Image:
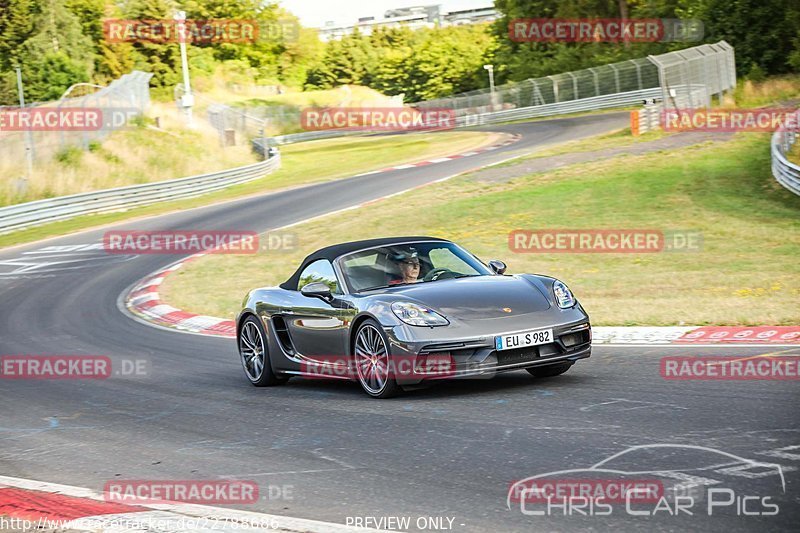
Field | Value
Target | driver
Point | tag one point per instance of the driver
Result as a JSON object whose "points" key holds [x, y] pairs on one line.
{"points": [[408, 264]]}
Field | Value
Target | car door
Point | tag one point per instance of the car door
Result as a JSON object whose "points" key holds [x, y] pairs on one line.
{"points": [[317, 327]]}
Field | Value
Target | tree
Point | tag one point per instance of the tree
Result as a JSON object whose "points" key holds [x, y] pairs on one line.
{"points": [[350, 60], [163, 60], [448, 61], [50, 48], [111, 60], [16, 26], [763, 32]]}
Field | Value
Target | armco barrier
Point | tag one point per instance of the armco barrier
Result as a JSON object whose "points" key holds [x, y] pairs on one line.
{"points": [[607, 101], [29, 214], [786, 172]]}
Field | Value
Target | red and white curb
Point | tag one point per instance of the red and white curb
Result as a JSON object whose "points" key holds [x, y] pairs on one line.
{"points": [[144, 302], [698, 335], [30, 505], [512, 139]]}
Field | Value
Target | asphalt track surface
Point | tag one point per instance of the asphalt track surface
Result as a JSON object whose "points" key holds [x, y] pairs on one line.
{"points": [[447, 451]]}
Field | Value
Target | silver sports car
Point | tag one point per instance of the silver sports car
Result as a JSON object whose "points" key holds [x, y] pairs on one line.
{"points": [[399, 312]]}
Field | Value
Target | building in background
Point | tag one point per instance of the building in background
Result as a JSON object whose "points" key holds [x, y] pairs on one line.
{"points": [[415, 17]]}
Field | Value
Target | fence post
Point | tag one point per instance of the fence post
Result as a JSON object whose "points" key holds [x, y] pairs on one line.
{"points": [[555, 87], [596, 82], [616, 75], [574, 86]]}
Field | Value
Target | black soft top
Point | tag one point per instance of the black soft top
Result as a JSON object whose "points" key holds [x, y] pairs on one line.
{"points": [[332, 252]]}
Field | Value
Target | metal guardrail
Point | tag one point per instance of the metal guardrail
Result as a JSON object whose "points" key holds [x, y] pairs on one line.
{"points": [[786, 172], [39, 212], [606, 101], [313, 136]]}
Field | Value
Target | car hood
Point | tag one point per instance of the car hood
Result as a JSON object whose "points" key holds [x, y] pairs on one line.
{"points": [[479, 297]]}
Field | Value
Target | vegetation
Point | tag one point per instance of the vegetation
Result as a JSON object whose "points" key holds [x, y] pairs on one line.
{"points": [[746, 272], [61, 42], [299, 166], [765, 34]]}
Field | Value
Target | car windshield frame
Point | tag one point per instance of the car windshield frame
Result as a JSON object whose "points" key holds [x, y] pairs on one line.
{"points": [[464, 255]]}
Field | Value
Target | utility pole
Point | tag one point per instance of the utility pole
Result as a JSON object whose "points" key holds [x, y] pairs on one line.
{"points": [[187, 99], [28, 136], [490, 68]]}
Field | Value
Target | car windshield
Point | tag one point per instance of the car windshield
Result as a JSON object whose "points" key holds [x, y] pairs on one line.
{"points": [[403, 264]]}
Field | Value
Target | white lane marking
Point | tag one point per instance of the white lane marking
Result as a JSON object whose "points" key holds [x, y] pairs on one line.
{"points": [[467, 154], [161, 310], [752, 471], [403, 167], [638, 404], [783, 453], [146, 297], [639, 334], [440, 160], [200, 322], [71, 248], [186, 510]]}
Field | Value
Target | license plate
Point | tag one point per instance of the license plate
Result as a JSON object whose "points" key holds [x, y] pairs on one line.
{"points": [[521, 340]]}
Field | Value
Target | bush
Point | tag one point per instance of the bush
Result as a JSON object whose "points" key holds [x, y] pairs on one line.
{"points": [[70, 157]]}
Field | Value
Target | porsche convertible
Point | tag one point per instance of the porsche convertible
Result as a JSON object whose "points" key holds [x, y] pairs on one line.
{"points": [[402, 312]]}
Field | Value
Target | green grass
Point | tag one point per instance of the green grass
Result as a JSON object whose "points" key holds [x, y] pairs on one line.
{"points": [[747, 272], [301, 164], [352, 95]]}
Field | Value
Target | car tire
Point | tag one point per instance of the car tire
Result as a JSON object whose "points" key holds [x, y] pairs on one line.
{"points": [[372, 359], [549, 371], [254, 354]]}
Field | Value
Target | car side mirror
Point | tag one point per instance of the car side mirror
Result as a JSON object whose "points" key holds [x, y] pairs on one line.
{"points": [[497, 266], [317, 290]]}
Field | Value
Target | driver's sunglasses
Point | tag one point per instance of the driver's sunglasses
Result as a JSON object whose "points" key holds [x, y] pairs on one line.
{"points": [[412, 263]]}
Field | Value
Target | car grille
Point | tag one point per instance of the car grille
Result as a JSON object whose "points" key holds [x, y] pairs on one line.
{"points": [[518, 355], [573, 339]]}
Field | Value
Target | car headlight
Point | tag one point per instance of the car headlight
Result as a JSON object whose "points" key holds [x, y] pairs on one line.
{"points": [[417, 315], [564, 296]]}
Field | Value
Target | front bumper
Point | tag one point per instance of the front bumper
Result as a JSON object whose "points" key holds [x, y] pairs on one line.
{"points": [[478, 358]]}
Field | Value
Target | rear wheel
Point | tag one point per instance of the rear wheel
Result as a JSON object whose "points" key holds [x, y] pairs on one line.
{"points": [[254, 355], [373, 361], [549, 371]]}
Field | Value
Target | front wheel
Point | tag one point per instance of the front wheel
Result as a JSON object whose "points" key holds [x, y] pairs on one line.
{"points": [[374, 362], [254, 355], [549, 371]]}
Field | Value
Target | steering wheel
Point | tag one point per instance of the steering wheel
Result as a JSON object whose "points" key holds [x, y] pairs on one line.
{"points": [[436, 273]]}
